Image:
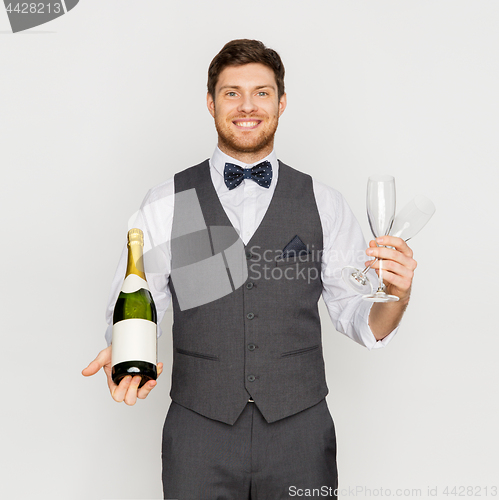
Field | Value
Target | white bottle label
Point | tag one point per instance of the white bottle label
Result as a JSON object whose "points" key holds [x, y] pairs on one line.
{"points": [[133, 283], [134, 340]]}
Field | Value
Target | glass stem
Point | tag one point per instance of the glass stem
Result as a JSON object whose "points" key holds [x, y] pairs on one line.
{"points": [[381, 286], [369, 266]]}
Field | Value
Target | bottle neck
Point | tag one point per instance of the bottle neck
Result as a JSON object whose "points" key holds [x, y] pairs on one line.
{"points": [[135, 264]]}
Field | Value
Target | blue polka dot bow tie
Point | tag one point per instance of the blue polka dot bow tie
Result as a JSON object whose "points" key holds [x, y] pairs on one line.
{"points": [[261, 174]]}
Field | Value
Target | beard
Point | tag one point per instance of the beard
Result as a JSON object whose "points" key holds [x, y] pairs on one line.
{"points": [[246, 143]]}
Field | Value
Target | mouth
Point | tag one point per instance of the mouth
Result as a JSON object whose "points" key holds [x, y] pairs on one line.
{"points": [[247, 124]]}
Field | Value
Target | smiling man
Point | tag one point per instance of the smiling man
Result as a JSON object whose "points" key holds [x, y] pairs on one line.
{"points": [[247, 112], [248, 418]]}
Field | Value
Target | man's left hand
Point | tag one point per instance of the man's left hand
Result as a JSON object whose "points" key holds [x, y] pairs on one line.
{"points": [[398, 265]]}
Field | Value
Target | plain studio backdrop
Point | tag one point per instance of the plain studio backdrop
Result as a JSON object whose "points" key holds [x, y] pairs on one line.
{"points": [[101, 104]]}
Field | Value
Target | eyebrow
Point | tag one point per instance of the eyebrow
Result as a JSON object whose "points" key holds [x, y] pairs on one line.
{"points": [[238, 87]]}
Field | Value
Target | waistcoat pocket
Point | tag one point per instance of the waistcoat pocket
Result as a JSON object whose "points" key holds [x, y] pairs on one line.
{"points": [[300, 351], [196, 354]]}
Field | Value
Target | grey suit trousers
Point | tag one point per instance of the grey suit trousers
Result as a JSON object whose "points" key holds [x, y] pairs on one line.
{"points": [[204, 459]]}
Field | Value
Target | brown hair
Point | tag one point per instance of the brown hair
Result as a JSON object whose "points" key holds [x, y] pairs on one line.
{"points": [[244, 51]]}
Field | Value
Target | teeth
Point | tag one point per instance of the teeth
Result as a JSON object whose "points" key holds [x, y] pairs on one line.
{"points": [[246, 124]]}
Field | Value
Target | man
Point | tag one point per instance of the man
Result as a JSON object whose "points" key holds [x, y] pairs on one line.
{"points": [[248, 418]]}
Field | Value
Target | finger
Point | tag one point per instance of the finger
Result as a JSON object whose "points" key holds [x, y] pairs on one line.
{"points": [[118, 392], [150, 385], [392, 255], [131, 393], [401, 284], [394, 267], [146, 389], [396, 275], [398, 243], [386, 253], [103, 358], [110, 383]]}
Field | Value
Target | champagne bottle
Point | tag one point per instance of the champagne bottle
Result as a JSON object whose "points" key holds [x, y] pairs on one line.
{"points": [[134, 344]]}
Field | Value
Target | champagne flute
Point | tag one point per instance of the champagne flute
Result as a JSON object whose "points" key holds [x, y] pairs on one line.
{"points": [[408, 222], [381, 212]]}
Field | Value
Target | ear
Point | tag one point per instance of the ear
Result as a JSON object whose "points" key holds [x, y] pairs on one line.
{"points": [[211, 104], [282, 103]]}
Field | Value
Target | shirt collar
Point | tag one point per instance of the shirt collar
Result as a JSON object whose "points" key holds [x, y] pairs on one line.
{"points": [[219, 159]]}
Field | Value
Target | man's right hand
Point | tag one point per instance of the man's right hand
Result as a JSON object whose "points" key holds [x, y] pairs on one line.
{"points": [[128, 389]]}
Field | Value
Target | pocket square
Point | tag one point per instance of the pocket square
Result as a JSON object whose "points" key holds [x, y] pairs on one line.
{"points": [[295, 247]]}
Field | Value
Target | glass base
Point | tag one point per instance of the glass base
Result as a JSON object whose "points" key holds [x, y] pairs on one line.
{"points": [[356, 280], [380, 297]]}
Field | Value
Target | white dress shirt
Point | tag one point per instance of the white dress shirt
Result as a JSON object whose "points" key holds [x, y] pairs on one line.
{"points": [[245, 207]]}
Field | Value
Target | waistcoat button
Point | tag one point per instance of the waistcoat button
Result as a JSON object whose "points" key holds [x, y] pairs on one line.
{"points": [[249, 285], [251, 347], [251, 378], [249, 255], [250, 315]]}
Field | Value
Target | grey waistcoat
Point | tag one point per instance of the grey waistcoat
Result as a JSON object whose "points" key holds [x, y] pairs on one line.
{"points": [[264, 339]]}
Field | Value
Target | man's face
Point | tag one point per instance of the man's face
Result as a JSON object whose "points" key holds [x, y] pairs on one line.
{"points": [[246, 110]]}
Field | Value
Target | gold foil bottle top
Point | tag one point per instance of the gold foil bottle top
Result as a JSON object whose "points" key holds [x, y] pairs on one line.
{"points": [[135, 235], [135, 264]]}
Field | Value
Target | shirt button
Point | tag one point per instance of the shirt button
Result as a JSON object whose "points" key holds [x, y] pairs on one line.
{"points": [[249, 285], [251, 378], [251, 347], [250, 315]]}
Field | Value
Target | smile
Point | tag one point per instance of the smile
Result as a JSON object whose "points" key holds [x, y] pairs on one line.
{"points": [[246, 124]]}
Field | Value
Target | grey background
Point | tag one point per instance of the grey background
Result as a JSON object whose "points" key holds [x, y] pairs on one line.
{"points": [[109, 100]]}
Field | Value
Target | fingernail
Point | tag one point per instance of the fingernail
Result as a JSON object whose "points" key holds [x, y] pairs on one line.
{"points": [[370, 251], [379, 240]]}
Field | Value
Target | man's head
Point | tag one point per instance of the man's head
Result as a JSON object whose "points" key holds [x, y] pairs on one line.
{"points": [[244, 51], [246, 97]]}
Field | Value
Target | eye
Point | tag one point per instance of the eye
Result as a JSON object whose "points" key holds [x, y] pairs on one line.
{"points": [[262, 93], [231, 93]]}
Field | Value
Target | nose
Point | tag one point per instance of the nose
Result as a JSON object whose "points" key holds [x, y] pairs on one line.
{"points": [[247, 104]]}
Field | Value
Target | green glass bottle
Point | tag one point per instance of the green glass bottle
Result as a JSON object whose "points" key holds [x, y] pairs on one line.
{"points": [[134, 344]]}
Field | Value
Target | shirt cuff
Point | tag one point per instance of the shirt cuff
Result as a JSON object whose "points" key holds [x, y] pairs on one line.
{"points": [[362, 326]]}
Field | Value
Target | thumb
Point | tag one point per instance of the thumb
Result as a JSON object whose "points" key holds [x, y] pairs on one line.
{"points": [[102, 359]]}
